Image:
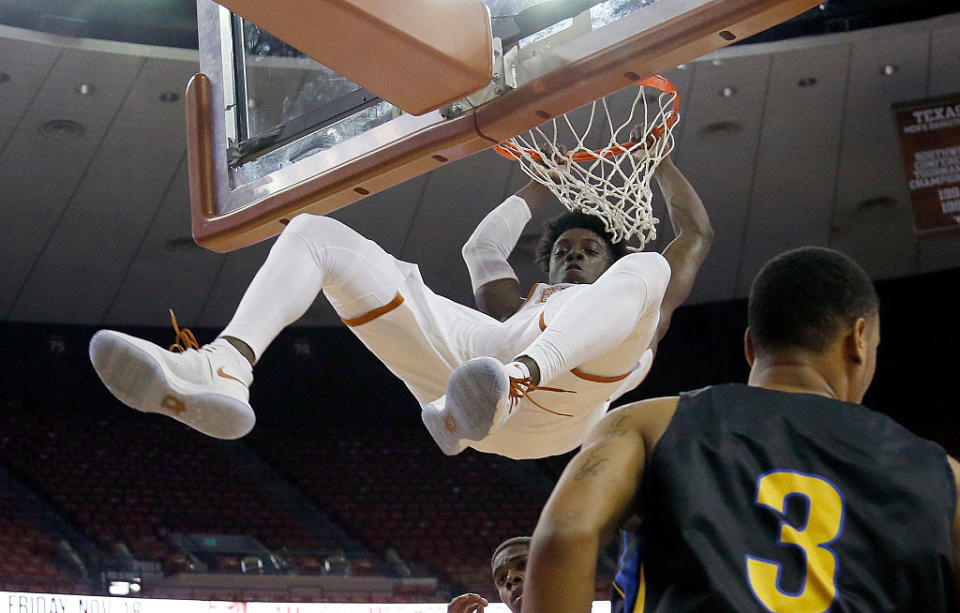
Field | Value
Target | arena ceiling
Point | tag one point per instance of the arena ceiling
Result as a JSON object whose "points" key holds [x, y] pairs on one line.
{"points": [[93, 188]]}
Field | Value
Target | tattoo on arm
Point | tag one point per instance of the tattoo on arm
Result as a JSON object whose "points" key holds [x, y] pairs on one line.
{"points": [[592, 466], [594, 463]]}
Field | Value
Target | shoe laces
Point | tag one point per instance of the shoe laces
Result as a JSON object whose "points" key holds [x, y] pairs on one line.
{"points": [[520, 388], [184, 339]]}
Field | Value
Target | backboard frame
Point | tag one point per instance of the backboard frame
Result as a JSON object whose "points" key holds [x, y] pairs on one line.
{"points": [[578, 70]]}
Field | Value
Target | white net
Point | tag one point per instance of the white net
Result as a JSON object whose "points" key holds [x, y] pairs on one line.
{"points": [[613, 182]]}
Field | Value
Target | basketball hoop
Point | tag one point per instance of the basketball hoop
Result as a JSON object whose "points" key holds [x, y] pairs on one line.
{"points": [[613, 182]]}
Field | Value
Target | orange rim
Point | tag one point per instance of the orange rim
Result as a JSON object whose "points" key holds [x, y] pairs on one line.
{"points": [[514, 153]]}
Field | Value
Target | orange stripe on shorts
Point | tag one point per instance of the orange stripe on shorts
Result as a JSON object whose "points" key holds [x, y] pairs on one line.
{"points": [[371, 315]]}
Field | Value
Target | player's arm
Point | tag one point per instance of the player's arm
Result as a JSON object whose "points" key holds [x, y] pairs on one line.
{"points": [[595, 494], [955, 531], [694, 235], [495, 284]]}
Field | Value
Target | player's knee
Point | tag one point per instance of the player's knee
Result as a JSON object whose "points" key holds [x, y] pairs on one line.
{"points": [[644, 271], [319, 231], [306, 224]]}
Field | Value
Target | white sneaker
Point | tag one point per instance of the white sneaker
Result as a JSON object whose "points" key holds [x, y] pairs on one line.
{"points": [[206, 388], [480, 395], [443, 427]]}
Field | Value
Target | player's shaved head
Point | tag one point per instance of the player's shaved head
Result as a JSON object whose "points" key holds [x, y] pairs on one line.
{"points": [[804, 298]]}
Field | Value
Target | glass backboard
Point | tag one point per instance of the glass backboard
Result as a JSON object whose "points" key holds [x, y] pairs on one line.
{"points": [[273, 132]]}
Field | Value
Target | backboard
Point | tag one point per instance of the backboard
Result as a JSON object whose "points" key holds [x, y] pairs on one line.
{"points": [[273, 132]]}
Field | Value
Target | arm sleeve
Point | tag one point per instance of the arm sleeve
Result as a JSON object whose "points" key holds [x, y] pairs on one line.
{"points": [[487, 249]]}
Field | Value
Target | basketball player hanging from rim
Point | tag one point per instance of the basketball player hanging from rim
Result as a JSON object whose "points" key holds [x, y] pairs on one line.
{"points": [[479, 376]]}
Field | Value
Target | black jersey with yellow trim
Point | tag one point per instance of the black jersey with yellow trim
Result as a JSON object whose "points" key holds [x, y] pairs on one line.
{"points": [[759, 500]]}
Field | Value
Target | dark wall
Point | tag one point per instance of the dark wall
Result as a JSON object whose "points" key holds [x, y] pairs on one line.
{"points": [[309, 377]]}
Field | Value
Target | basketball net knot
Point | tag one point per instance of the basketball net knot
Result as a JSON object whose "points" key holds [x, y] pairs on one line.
{"points": [[184, 339], [520, 388]]}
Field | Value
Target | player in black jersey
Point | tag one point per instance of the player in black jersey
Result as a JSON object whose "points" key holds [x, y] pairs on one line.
{"points": [[782, 495]]}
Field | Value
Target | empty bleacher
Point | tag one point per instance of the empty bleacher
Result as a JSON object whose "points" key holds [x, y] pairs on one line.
{"points": [[28, 552], [393, 488]]}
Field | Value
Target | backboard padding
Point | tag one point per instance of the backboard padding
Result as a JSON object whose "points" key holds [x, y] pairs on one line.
{"points": [[418, 54]]}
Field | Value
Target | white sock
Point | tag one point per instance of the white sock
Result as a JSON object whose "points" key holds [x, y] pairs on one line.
{"points": [[517, 370]]}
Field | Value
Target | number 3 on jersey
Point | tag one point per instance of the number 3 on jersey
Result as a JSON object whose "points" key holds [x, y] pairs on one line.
{"points": [[823, 525]]}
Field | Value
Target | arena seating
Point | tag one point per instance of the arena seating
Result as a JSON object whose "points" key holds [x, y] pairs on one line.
{"points": [[393, 488], [27, 553], [125, 479]]}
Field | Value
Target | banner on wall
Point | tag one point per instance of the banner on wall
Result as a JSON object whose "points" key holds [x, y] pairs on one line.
{"points": [[29, 602], [929, 133]]}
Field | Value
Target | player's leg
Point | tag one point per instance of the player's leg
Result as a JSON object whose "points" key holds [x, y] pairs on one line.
{"points": [[313, 253], [591, 327], [207, 387]]}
